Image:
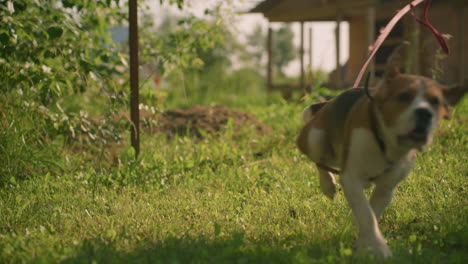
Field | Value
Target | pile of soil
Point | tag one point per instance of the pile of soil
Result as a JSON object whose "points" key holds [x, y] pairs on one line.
{"points": [[197, 120]]}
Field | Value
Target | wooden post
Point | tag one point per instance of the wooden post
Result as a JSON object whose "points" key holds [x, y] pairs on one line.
{"points": [[301, 56], [339, 82], [269, 58], [134, 94], [310, 48], [461, 45], [371, 32], [310, 74]]}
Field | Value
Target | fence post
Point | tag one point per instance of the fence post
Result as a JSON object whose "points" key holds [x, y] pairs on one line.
{"points": [[134, 93], [270, 59], [339, 82], [301, 54]]}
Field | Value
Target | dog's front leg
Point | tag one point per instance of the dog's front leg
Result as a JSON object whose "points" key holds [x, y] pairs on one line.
{"points": [[386, 184], [327, 183], [369, 233], [381, 197]]}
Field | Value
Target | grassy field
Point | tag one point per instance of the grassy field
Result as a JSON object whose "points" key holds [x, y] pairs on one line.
{"points": [[230, 199]]}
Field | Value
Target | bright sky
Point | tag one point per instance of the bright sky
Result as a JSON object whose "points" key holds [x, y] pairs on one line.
{"points": [[323, 37]]}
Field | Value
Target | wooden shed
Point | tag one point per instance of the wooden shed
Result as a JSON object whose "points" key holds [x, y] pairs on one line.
{"points": [[367, 17]]}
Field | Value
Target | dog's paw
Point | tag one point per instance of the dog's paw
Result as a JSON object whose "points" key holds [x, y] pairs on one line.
{"points": [[378, 246], [329, 189]]}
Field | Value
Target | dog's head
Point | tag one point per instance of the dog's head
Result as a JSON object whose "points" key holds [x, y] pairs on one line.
{"points": [[412, 106]]}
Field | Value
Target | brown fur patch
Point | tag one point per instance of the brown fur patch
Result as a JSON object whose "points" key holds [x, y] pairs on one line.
{"points": [[398, 93]]}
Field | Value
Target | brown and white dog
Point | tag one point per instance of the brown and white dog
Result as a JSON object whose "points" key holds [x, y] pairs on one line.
{"points": [[372, 141]]}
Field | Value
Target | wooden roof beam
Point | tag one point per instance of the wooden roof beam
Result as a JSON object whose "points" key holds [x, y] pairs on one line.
{"points": [[295, 11], [310, 14]]}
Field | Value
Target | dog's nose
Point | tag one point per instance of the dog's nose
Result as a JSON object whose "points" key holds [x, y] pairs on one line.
{"points": [[423, 115]]}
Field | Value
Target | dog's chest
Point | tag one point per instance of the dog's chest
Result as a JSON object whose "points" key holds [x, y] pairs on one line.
{"points": [[366, 157]]}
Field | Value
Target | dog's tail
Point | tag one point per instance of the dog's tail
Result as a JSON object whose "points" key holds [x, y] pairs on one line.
{"points": [[311, 110]]}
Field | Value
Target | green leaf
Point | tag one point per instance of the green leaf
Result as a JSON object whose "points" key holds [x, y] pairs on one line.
{"points": [[85, 65], [130, 153], [68, 3], [4, 38], [48, 54], [111, 234], [18, 6], [105, 58], [55, 32], [197, 62]]}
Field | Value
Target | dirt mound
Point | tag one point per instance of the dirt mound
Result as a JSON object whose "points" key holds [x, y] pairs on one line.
{"points": [[197, 120]]}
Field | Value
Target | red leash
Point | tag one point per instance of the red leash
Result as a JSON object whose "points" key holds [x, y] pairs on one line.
{"points": [[425, 22], [388, 28]]}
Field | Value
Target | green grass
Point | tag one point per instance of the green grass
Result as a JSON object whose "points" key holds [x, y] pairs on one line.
{"points": [[231, 199]]}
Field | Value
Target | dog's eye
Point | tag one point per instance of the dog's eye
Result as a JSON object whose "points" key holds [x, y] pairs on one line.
{"points": [[434, 101], [405, 97]]}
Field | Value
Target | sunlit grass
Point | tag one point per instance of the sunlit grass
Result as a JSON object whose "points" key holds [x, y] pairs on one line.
{"points": [[231, 199]]}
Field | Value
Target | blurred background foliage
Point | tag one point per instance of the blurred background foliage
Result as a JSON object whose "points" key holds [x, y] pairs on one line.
{"points": [[64, 76]]}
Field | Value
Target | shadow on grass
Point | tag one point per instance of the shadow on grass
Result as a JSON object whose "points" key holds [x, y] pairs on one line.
{"points": [[235, 249]]}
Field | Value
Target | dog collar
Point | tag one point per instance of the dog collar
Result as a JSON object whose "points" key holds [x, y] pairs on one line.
{"points": [[326, 168], [375, 129]]}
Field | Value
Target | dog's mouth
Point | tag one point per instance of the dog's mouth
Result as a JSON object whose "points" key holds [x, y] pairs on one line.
{"points": [[418, 136]]}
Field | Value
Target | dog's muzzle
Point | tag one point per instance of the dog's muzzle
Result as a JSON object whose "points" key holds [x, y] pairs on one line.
{"points": [[420, 134]]}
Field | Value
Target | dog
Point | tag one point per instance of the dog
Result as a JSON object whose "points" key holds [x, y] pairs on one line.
{"points": [[373, 140]]}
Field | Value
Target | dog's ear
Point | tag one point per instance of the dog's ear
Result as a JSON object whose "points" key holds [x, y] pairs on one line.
{"points": [[311, 110], [391, 71], [395, 61], [452, 96], [446, 111], [454, 93]]}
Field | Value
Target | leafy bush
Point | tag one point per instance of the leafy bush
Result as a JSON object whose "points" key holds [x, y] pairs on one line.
{"points": [[50, 49]]}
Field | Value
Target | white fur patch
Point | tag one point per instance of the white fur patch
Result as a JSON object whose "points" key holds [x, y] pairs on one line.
{"points": [[407, 120], [315, 144], [306, 114], [365, 158]]}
